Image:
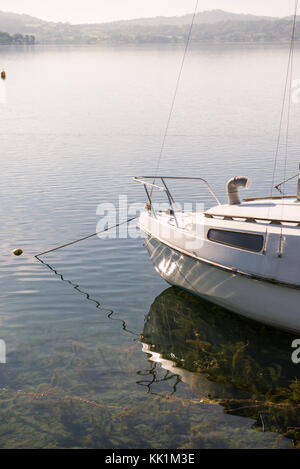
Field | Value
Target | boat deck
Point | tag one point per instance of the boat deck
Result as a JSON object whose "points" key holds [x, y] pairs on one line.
{"points": [[282, 210]]}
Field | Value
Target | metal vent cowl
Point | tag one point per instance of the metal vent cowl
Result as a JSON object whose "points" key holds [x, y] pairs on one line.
{"points": [[233, 186]]}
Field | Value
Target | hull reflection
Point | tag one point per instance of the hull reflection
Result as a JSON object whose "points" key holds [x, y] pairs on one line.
{"points": [[228, 360]]}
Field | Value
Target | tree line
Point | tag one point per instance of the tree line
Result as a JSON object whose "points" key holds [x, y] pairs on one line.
{"points": [[6, 38], [226, 31], [261, 31]]}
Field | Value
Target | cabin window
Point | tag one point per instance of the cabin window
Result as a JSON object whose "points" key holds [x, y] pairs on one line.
{"points": [[237, 239]]}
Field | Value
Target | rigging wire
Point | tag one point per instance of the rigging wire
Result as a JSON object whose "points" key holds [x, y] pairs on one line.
{"points": [[286, 180], [287, 82], [175, 93], [287, 90], [290, 92], [290, 74]]}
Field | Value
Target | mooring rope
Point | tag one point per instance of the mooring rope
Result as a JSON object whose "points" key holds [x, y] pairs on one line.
{"points": [[110, 312], [85, 237]]}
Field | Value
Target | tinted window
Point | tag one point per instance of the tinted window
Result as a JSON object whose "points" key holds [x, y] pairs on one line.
{"points": [[251, 242]]}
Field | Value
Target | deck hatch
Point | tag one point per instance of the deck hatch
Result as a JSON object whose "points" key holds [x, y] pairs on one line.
{"points": [[237, 239]]}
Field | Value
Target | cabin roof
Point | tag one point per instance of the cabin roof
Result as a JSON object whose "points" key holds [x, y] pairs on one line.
{"points": [[276, 209]]}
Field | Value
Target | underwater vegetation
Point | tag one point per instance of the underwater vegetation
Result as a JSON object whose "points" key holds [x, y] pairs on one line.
{"points": [[224, 383], [242, 365]]}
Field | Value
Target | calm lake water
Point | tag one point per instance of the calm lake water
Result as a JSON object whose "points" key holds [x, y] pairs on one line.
{"points": [[101, 353]]}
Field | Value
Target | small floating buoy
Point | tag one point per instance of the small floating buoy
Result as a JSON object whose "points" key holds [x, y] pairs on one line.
{"points": [[18, 252], [3, 75]]}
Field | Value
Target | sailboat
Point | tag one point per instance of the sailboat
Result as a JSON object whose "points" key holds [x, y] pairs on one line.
{"points": [[243, 255]]}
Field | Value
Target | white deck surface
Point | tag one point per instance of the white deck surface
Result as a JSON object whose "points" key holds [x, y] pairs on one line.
{"points": [[275, 209]]}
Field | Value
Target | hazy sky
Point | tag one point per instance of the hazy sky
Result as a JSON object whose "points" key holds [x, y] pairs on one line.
{"points": [[88, 11]]}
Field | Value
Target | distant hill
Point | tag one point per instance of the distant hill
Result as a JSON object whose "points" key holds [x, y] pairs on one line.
{"points": [[204, 17], [213, 26], [14, 23]]}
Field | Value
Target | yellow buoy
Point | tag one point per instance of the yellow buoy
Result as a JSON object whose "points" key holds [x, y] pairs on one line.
{"points": [[18, 252], [3, 75]]}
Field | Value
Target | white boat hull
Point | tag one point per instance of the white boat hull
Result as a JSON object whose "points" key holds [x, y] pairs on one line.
{"points": [[260, 300]]}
